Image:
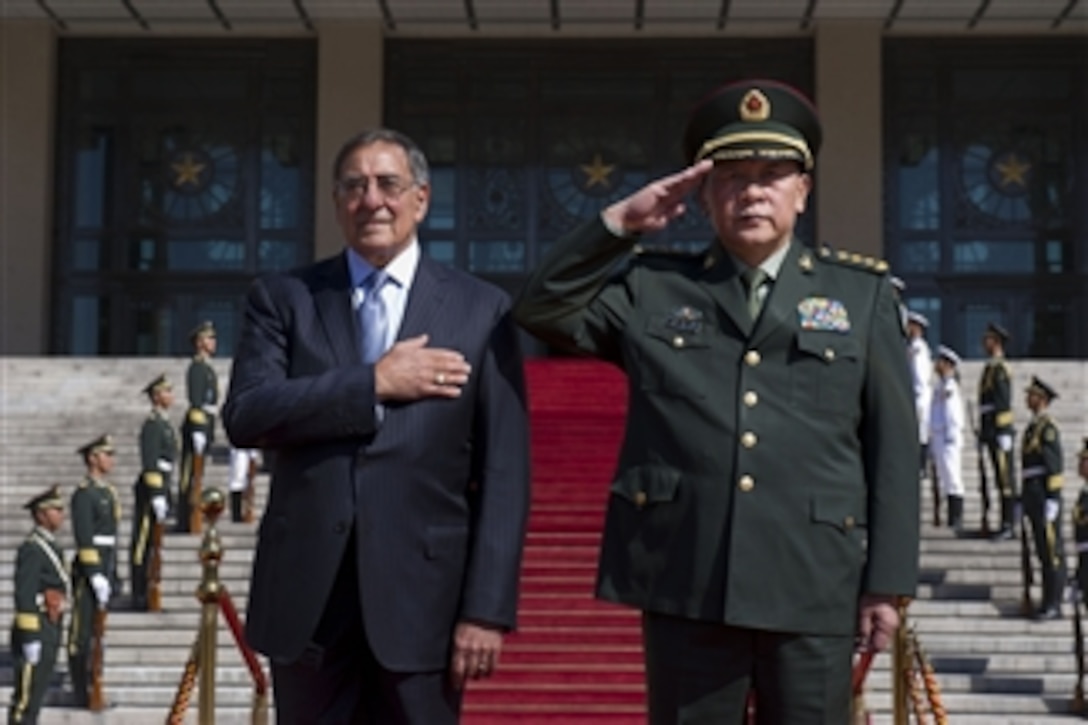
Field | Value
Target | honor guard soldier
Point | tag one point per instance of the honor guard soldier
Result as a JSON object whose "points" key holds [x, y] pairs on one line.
{"points": [[158, 451], [1080, 523], [1041, 468], [198, 428], [96, 513], [42, 588], [244, 463], [947, 421], [764, 514], [921, 371], [995, 425]]}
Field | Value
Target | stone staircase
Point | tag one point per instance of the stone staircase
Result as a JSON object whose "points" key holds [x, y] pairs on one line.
{"points": [[993, 666]]}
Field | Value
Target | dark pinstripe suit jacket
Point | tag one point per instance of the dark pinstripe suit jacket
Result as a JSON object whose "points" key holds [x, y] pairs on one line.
{"points": [[438, 492]]}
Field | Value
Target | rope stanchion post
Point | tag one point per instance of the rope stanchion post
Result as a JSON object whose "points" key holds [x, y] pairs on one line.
{"points": [[211, 552], [901, 668]]}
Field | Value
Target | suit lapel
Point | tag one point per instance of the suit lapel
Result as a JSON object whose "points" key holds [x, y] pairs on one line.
{"points": [[332, 297], [723, 284], [425, 298], [793, 283]]}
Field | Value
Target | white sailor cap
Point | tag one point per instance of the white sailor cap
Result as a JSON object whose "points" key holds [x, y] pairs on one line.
{"points": [[947, 353], [919, 318]]}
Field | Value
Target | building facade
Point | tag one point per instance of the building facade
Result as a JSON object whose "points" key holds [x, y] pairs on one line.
{"points": [[153, 164]]}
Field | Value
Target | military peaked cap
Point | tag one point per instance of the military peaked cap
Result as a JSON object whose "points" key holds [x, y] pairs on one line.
{"points": [[1038, 386], [159, 382], [48, 499], [204, 328], [101, 443], [754, 119], [944, 352], [997, 331]]}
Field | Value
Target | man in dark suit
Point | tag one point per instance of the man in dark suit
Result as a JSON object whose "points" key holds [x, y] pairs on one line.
{"points": [[390, 390], [764, 512]]}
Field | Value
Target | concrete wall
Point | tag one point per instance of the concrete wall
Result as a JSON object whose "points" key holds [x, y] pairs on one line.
{"points": [[849, 179], [349, 99], [27, 82]]}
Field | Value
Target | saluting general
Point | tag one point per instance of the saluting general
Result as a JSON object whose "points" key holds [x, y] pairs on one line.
{"points": [[764, 510]]}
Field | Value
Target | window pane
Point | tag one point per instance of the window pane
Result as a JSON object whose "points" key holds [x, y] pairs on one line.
{"points": [[1012, 86], [1014, 257], [86, 255], [443, 251], [281, 176], [212, 255], [89, 325], [919, 193], [279, 254], [496, 199], [93, 173], [154, 329], [496, 256], [442, 213], [919, 256]]}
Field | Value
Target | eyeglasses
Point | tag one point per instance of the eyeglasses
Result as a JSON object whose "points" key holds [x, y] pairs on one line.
{"points": [[389, 188]]}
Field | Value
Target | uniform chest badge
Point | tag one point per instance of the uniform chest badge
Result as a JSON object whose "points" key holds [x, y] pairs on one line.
{"points": [[821, 313], [685, 319]]}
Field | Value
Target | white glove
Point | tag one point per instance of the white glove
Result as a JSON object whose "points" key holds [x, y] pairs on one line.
{"points": [[164, 465], [1004, 442], [101, 586], [210, 408], [158, 505], [1051, 508], [199, 441], [32, 652]]}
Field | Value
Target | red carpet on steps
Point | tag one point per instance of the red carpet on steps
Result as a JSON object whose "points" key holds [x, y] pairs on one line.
{"points": [[574, 660]]}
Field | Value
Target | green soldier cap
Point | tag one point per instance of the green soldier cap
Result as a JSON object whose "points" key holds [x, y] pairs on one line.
{"points": [[997, 331], [101, 443], [159, 382], [49, 499], [204, 328], [754, 119], [1038, 386]]}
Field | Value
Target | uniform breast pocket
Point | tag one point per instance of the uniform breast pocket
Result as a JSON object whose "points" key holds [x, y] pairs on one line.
{"points": [[826, 371], [674, 357]]}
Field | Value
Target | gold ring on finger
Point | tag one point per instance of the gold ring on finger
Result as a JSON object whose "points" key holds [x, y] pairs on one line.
{"points": [[440, 378]]}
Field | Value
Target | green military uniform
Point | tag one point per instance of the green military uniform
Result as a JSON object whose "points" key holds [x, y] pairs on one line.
{"points": [[995, 422], [762, 483], [1041, 467], [95, 514], [158, 453], [1080, 531], [202, 388], [42, 587]]}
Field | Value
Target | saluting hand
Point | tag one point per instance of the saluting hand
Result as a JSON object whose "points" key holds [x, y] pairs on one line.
{"points": [[410, 371], [476, 649], [652, 207]]}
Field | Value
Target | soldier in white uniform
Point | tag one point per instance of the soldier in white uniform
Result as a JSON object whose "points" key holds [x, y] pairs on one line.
{"points": [[921, 371], [240, 461], [947, 419]]}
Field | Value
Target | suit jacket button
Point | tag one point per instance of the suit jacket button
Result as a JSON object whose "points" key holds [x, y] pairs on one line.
{"points": [[746, 483], [640, 499]]}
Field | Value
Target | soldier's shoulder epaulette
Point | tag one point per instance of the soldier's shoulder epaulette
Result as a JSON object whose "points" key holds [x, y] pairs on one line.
{"points": [[853, 260], [667, 257]]}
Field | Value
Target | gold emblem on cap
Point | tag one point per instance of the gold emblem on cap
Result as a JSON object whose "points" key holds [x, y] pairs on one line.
{"points": [[755, 106]]}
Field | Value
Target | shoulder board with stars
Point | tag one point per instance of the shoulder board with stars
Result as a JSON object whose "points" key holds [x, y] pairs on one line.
{"points": [[853, 259]]}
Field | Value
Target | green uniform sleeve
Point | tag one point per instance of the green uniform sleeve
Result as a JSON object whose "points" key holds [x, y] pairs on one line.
{"points": [[28, 566]]}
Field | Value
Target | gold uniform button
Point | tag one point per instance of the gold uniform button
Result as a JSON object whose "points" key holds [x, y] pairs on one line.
{"points": [[848, 522], [746, 483], [752, 358], [748, 440], [751, 398], [678, 341], [829, 354], [640, 499]]}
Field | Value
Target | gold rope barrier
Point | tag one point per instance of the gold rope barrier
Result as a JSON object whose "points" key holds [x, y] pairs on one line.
{"points": [[214, 597]]}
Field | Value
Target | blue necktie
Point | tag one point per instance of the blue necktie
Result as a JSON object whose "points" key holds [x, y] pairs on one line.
{"points": [[373, 317]]}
